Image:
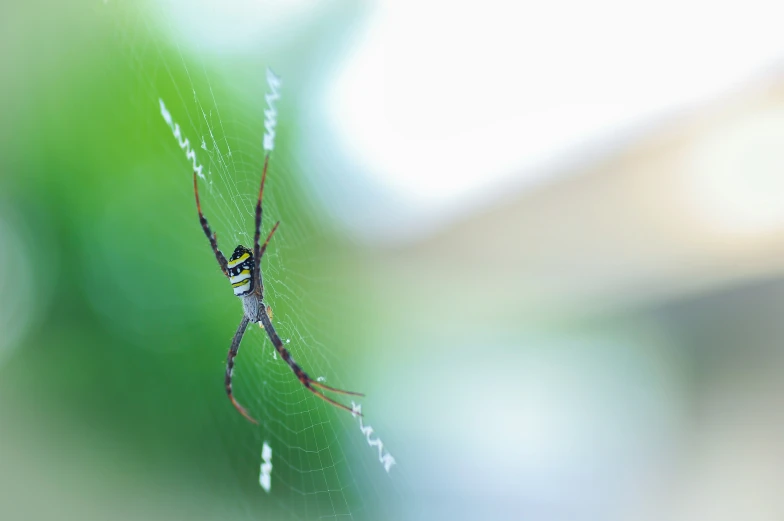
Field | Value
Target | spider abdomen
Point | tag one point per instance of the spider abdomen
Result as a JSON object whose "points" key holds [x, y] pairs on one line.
{"points": [[240, 268]]}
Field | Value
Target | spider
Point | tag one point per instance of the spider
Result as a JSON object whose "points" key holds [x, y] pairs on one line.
{"points": [[244, 272]]}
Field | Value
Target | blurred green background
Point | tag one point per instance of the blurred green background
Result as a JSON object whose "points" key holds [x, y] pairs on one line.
{"points": [[112, 383], [603, 343]]}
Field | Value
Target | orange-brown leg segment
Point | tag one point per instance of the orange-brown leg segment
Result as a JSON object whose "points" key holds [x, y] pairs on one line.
{"points": [[264, 246], [328, 388], [307, 382]]}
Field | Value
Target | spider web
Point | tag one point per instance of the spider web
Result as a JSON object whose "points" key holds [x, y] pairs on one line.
{"points": [[321, 463]]}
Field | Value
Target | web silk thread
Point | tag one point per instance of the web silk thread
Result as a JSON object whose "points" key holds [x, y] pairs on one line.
{"points": [[385, 458], [265, 477], [190, 154], [271, 113]]}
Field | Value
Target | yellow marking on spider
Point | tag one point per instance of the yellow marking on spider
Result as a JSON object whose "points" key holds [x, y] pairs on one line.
{"points": [[245, 274], [240, 283], [243, 257]]}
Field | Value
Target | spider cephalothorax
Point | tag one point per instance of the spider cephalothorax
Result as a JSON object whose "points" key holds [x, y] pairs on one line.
{"points": [[244, 273], [240, 268]]}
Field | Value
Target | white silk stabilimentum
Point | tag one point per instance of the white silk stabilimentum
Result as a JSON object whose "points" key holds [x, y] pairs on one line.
{"points": [[385, 458], [271, 113], [265, 477], [183, 142]]}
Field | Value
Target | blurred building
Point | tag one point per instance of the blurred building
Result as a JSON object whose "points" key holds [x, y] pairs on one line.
{"points": [[660, 264]]}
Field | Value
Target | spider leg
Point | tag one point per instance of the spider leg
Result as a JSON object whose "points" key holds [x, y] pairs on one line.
{"points": [[209, 233], [269, 314], [235, 347], [302, 376], [327, 399], [257, 230], [328, 388], [264, 246]]}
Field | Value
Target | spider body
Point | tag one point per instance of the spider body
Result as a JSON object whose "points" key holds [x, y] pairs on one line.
{"points": [[244, 273], [251, 305]]}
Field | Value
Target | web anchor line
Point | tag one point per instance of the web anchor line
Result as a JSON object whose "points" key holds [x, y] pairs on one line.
{"points": [[385, 458]]}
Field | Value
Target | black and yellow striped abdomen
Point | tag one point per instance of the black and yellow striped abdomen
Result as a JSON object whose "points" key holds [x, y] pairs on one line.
{"points": [[240, 268]]}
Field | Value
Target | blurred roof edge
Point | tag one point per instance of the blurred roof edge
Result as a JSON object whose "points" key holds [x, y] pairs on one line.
{"points": [[689, 207]]}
